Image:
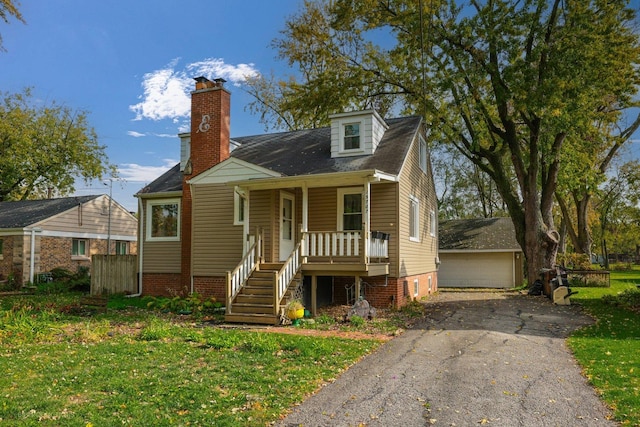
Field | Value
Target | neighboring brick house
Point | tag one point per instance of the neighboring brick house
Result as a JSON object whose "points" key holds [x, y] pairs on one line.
{"points": [[345, 210], [37, 236]]}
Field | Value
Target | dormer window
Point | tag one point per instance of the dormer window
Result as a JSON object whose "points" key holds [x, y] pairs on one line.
{"points": [[351, 136], [356, 133]]}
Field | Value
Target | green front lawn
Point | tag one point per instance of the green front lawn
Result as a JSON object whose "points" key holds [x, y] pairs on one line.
{"points": [[136, 367], [609, 351]]}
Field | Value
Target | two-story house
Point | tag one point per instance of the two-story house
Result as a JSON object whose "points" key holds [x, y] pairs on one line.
{"points": [[348, 210]]}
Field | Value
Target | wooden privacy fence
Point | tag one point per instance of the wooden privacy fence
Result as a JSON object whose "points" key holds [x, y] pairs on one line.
{"points": [[114, 274]]}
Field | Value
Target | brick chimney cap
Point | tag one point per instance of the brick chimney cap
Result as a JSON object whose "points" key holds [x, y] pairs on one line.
{"points": [[201, 79], [219, 80]]}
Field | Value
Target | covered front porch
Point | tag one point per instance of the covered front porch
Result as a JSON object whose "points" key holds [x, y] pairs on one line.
{"points": [[312, 227]]}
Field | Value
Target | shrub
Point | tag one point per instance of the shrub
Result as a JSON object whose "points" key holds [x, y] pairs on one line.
{"points": [[629, 298], [575, 261]]}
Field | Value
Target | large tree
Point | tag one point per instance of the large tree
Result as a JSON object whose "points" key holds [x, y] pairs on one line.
{"points": [[45, 148], [511, 84], [9, 8]]}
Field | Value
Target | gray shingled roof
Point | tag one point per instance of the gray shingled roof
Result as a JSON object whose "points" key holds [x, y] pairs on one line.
{"points": [[308, 152], [24, 213], [477, 234]]}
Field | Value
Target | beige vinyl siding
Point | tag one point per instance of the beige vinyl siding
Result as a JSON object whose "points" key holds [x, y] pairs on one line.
{"points": [[261, 216], [384, 217], [161, 257], [158, 256], [323, 210], [93, 217], [416, 257], [216, 242]]}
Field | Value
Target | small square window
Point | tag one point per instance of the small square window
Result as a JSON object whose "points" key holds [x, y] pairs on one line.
{"points": [[416, 287], [79, 247], [352, 136]]}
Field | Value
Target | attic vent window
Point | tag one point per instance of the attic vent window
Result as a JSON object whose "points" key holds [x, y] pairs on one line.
{"points": [[352, 136]]}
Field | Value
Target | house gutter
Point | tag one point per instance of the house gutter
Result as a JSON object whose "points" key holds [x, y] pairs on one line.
{"points": [[140, 245], [315, 180]]}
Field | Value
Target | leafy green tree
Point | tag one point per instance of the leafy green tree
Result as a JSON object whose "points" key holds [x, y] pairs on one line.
{"points": [[44, 148], [511, 84], [585, 167], [9, 8], [464, 191], [618, 206]]}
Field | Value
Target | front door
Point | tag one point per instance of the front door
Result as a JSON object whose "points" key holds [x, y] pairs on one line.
{"points": [[287, 221]]}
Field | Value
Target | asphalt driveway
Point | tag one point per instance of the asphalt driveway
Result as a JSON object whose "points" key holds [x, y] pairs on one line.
{"points": [[478, 358]]}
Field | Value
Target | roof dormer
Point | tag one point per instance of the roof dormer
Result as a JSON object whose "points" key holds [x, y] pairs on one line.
{"points": [[356, 133]]}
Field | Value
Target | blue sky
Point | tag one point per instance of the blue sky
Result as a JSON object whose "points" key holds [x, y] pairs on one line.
{"points": [[131, 63]]}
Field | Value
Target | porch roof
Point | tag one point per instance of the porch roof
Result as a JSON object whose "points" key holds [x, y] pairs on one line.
{"points": [[317, 180]]}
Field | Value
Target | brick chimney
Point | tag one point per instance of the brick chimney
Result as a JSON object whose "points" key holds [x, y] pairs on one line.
{"points": [[210, 122], [210, 112]]}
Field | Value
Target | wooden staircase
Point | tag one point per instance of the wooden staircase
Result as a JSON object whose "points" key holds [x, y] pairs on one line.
{"points": [[255, 301]]}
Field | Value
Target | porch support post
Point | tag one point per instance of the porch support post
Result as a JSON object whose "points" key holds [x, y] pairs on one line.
{"points": [[305, 224], [366, 218], [314, 295], [305, 208], [245, 225], [357, 288]]}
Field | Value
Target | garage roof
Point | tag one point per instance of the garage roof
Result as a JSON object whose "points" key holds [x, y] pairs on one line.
{"points": [[474, 235]]}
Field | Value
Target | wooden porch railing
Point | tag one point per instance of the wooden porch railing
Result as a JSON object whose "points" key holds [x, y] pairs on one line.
{"points": [[282, 278], [237, 278], [336, 244]]}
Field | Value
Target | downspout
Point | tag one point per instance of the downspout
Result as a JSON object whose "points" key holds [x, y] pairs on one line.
{"points": [[32, 253], [140, 246]]}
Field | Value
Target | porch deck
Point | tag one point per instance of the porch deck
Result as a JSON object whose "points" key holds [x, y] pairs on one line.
{"points": [[318, 253]]}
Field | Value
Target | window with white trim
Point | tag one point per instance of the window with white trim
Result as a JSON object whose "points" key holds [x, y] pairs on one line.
{"points": [[350, 209], [433, 222], [414, 219], [423, 155], [79, 247], [163, 220], [122, 247], [416, 287], [429, 284], [351, 139], [239, 208]]}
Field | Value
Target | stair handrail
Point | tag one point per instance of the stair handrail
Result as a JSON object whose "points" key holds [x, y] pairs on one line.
{"points": [[283, 277], [237, 278]]}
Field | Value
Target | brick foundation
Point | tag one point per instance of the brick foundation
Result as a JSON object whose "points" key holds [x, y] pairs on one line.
{"points": [[393, 293], [211, 287], [163, 284]]}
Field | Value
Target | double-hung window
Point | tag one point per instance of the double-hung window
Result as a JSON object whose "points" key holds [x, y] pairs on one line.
{"points": [[351, 136], [79, 247], [122, 247], [423, 155], [414, 219], [350, 209]]}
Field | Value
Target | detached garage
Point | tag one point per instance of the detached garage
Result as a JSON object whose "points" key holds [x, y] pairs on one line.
{"points": [[479, 253]]}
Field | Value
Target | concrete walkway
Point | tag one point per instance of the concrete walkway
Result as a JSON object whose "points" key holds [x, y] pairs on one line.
{"points": [[479, 358]]}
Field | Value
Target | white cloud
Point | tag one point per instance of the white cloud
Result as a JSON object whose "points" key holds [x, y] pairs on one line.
{"points": [[166, 91], [132, 172], [135, 134]]}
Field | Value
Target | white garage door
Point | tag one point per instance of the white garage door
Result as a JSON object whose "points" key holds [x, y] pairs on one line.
{"points": [[477, 270]]}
